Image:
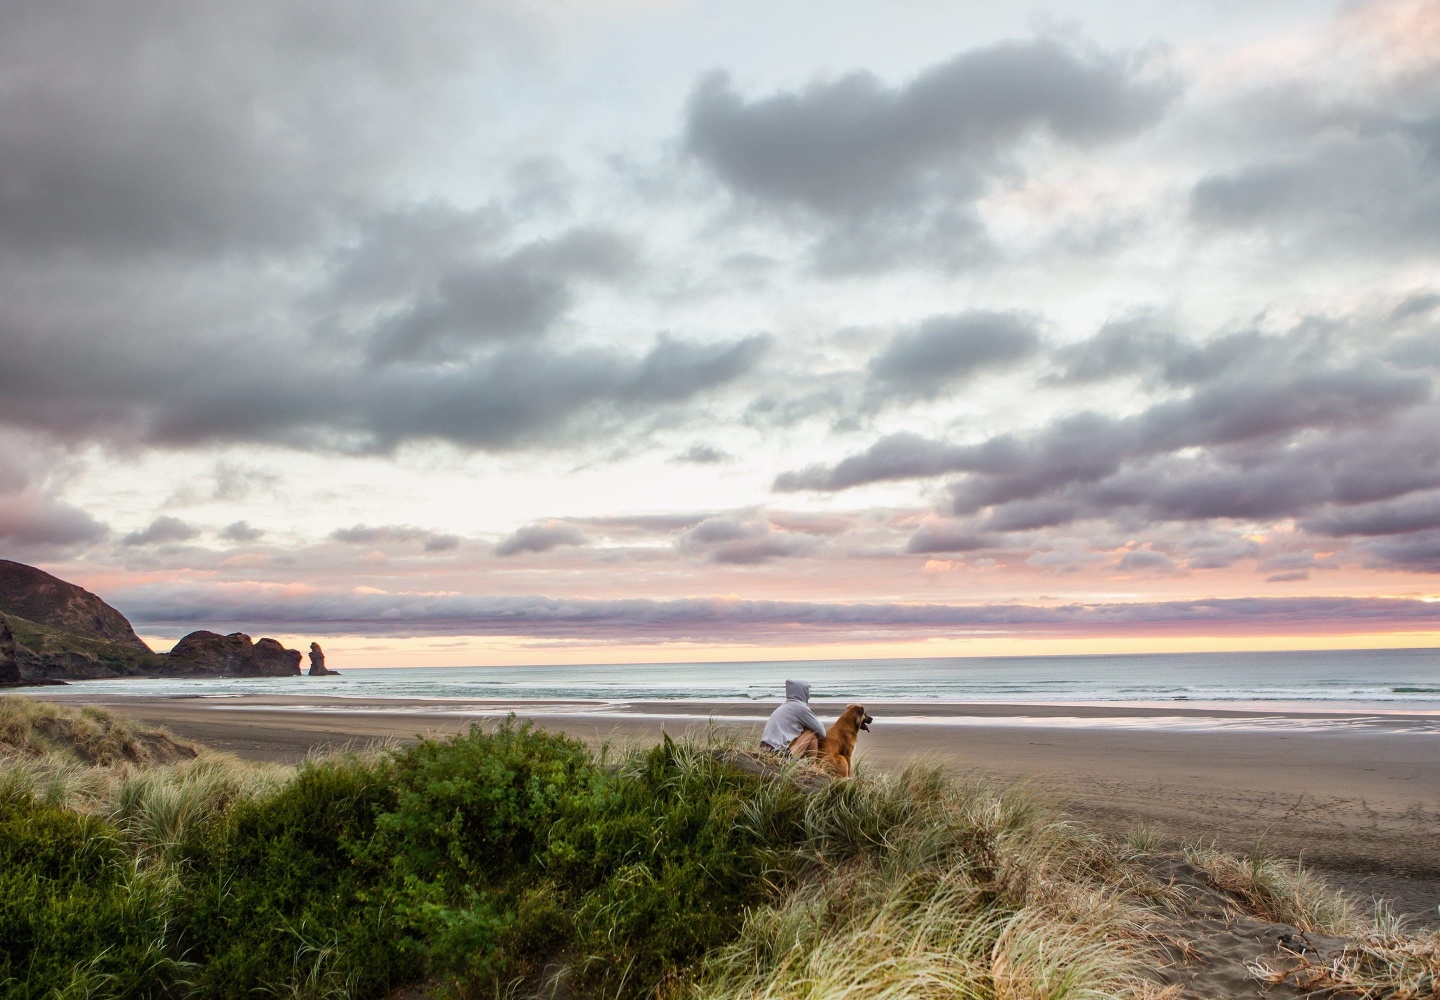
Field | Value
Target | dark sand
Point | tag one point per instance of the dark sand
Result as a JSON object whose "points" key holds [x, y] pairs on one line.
{"points": [[1363, 806]]}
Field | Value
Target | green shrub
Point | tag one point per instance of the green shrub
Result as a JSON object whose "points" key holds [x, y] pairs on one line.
{"points": [[282, 883], [661, 862], [468, 815], [77, 917]]}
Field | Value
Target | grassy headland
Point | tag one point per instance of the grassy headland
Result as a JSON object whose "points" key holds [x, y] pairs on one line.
{"points": [[508, 861]]}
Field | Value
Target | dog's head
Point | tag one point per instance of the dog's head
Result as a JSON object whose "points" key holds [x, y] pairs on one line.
{"points": [[862, 718]]}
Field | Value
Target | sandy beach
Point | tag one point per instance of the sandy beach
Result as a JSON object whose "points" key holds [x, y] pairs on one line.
{"points": [[1360, 802]]}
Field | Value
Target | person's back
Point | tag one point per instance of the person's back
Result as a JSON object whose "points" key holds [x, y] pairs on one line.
{"points": [[792, 719]]}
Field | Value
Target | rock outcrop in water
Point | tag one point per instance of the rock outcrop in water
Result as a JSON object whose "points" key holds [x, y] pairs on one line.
{"points": [[232, 655], [317, 662]]}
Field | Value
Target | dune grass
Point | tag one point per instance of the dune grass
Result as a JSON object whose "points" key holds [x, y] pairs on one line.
{"points": [[1382, 960], [492, 862], [37, 729], [918, 886], [1279, 889]]}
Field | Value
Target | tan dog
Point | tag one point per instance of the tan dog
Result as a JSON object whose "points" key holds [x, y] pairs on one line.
{"points": [[839, 742]]}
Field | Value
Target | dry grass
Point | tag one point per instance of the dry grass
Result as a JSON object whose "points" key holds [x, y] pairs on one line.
{"points": [[1141, 839], [87, 761], [30, 728], [918, 887], [1279, 889], [1381, 961]]}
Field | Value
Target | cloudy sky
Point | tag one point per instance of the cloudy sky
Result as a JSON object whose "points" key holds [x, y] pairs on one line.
{"points": [[465, 332]]}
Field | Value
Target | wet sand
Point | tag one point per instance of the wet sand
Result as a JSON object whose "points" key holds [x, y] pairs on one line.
{"points": [[1360, 802]]}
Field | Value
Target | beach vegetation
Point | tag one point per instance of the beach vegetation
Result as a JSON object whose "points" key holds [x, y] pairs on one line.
{"points": [[1142, 839], [1278, 889], [506, 861]]}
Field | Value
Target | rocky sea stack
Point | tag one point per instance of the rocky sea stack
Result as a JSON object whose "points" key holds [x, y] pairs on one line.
{"points": [[232, 655], [317, 662]]}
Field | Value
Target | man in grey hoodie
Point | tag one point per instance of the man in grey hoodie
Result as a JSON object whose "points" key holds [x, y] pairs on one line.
{"points": [[791, 720]]}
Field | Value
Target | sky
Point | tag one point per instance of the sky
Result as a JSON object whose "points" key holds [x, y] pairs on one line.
{"points": [[472, 332]]}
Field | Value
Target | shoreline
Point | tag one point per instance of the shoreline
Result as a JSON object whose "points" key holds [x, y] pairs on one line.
{"points": [[1359, 802], [750, 709]]}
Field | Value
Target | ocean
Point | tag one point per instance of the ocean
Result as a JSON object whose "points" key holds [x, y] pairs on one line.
{"points": [[1382, 681]]}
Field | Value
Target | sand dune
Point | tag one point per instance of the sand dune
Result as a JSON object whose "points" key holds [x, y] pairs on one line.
{"points": [[1361, 804]]}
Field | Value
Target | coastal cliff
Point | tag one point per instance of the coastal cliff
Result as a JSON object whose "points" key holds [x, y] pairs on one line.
{"points": [[52, 630]]}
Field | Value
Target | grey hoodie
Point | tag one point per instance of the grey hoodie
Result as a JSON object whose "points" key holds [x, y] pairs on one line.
{"points": [[792, 718]]}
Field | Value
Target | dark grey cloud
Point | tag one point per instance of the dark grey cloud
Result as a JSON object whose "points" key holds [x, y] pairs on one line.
{"points": [[945, 350], [31, 518], [195, 395], [1419, 512], [1418, 552], [901, 164], [206, 127], [643, 524], [213, 231], [744, 539], [1262, 484], [517, 295], [1089, 446], [541, 538], [1029, 515], [1143, 345], [234, 482], [1375, 189], [675, 370], [701, 453], [1357, 488], [738, 536], [715, 619], [1418, 303], [1218, 552], [853, 145], [241, 531], [164, 530], [1421, 350], [1145, 561], [942, 536], [902, 455], [396, 534]]}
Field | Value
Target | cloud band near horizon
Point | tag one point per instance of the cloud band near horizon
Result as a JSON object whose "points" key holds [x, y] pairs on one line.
{"points": [[762, 621]]}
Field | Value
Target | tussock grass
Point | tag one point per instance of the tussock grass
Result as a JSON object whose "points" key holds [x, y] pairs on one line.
{"points": [[31, 728], [1279, 889], [1382, 961], [1141, 839], [162, 809], [916, 886]]}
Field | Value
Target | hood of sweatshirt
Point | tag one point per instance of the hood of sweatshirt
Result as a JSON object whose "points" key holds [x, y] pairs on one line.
{"points": [[797, 691]]}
